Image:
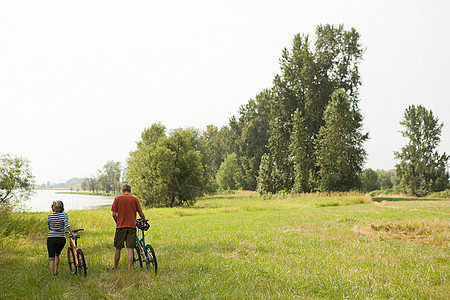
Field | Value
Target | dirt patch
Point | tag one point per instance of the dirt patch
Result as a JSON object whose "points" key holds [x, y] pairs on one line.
{"points": [[325, 233], [241, 251], [436, 233]]}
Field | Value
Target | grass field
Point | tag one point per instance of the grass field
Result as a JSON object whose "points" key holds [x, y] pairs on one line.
{"points": [[240, 246]]}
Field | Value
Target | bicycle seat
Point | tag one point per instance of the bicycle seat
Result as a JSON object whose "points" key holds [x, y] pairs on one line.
{"points": [[76, 230]]}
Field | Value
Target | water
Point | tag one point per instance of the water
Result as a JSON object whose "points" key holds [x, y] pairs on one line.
{"points": [[42, 201]]}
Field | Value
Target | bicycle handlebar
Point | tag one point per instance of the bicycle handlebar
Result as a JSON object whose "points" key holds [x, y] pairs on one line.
{"points": [[76, 236]]}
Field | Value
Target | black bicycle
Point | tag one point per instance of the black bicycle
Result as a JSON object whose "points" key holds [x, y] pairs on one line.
{"points": [[142, 252]]}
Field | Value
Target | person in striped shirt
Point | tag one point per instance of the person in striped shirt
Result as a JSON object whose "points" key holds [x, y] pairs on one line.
{"points": [[57, 223]]}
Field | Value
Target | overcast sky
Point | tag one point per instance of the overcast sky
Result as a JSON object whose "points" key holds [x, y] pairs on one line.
{"points": [[80, 80]]}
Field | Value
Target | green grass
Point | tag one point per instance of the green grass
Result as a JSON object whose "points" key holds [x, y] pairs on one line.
{"points": [[240, 246]]}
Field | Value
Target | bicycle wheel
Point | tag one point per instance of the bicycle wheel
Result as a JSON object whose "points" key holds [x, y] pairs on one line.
{"points": [[151, 258], [82, 267], [71, 261], [137, 255]]}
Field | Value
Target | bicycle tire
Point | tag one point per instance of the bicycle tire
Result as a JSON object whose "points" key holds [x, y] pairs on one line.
{"points": [[151, 258], [71, 261], [82, 267], [137, 255]]}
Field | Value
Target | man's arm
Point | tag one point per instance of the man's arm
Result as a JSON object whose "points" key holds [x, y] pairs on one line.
{"points": [[139, 210], [141, 214], [114, 215]]}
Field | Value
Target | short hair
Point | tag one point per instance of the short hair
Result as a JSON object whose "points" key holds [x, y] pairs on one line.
{"points": [[58, 205], [126, 188]]}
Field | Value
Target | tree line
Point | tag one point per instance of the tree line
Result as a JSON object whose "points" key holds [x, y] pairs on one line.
{"points": [[303, 134]]}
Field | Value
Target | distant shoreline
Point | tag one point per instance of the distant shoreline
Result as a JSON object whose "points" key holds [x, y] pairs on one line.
{"points": [[68, 191], [87, 193]]}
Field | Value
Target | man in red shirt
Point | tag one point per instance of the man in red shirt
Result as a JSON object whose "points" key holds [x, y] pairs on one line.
{"points": [[124, 211]]}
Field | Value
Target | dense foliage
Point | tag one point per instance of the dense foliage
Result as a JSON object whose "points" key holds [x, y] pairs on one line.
{"points": [[167, 170], [421, 169], [302, 93], [295, 111], [16, 180], [110, 177], [282, 140], [340, 153], [226, 176], [369, 180]]}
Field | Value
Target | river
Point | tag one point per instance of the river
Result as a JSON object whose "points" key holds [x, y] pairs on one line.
{"points": [[42, 200]]}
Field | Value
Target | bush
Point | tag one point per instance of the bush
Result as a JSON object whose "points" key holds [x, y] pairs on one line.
{"points": [[20, 224], [443, 194], [16, 181]]}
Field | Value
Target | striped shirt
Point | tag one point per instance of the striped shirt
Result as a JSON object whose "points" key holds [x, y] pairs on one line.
{"points": [[57, 223]]}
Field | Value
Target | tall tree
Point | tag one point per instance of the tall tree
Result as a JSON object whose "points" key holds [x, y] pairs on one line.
{"points": [[289, 95], [16, 180], [421, 169], [151, 167], [303, 156], [340, 153], [214, 153], [308, 79], [253, 142], [166, 170], [188, 181], [265, 176], [110, 175]]}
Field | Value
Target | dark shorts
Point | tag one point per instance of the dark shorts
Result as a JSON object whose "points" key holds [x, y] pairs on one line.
{"points": [[55, 246], [127, 235]]}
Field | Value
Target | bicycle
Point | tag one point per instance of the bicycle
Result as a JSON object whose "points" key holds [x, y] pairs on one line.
{"points": [[142, 252], [75, 256]]}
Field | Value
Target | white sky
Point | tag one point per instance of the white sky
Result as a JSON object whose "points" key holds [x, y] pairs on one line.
{"points": [[80, 80]]}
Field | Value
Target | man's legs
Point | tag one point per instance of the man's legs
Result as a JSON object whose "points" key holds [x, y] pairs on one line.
{"points": [[131, 243], [122, 235], [118, 244], [130, 258], [116, 258]]}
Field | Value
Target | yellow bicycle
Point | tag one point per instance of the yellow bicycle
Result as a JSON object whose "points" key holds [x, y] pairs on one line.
{"points": [[75, 256]]}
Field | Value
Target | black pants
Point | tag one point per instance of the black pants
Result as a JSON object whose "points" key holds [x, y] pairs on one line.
{"points": [[55, 246]]}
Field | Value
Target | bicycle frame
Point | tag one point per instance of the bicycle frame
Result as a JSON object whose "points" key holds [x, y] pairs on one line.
{"points": [[141, 242], [74, 248], [145, 253]]}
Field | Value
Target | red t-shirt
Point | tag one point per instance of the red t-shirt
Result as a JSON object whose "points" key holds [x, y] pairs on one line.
{"points": [[126, 206]]}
